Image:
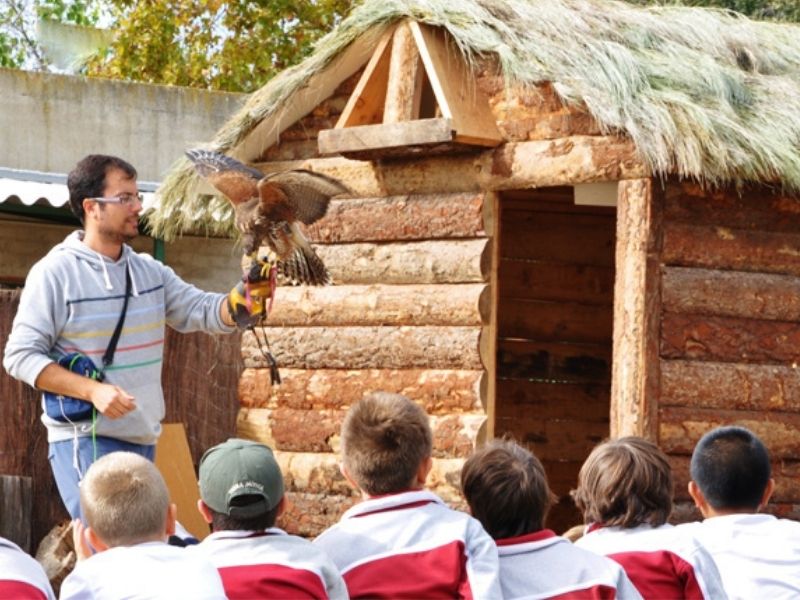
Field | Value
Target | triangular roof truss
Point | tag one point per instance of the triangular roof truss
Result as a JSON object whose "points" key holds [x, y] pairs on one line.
{"points": [[416, 94]]}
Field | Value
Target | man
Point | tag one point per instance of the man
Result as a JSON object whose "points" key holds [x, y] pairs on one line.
{"points": [[758, 555], [72, 302]]}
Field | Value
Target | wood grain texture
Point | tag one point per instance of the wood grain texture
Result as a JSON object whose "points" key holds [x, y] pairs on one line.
{"points": [[554, 361], [728, 339], [731, 293], [733, 249], [702, 384], [753, 207], [439, 391], [516, 165], [399, 218], [450, 261], [681, 428], [368, 347], [345, 305], [559, 282], [637, 306], [555, 321]]}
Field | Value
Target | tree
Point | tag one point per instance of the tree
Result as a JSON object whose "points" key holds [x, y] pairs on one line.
{"points": [[782, 10], [19, 47], [234, 45]]}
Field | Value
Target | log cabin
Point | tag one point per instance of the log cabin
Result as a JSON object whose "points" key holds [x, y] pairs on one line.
{"points": [[570, 220]]}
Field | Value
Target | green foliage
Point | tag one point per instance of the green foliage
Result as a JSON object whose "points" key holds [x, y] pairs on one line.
{"points": [[780, 10], [18, 45], [233, 45]]}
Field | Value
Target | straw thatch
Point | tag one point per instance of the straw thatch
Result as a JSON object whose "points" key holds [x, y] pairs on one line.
{"points": [[703, 93]]}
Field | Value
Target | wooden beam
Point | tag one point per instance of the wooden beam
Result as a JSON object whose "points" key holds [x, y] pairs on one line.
{"points": [[379, 304], [717, 385], [681, 428], [393, 135], [490, 361], [402, 90], [16, 502], [436, 261], [519, 165], [318, 88], [731, 294], [454, 86], [406, 217], [439, 391], [637, 311], [426, 347], [365, 105]]}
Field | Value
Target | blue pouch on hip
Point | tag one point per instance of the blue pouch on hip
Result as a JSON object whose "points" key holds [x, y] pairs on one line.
{"points": [[67, 409]]}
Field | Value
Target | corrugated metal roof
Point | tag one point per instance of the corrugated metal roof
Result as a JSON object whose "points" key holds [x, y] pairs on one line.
{"points": [[38, 188]]}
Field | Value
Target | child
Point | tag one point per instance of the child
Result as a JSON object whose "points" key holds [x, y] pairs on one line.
{"points": [[506, 489], [402, 541], [128, 518], [625, 493], [758, 555], [241, 487], [21, 576]]}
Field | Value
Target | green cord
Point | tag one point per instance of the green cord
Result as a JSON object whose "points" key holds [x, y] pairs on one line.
{"points": [[94, 434]]}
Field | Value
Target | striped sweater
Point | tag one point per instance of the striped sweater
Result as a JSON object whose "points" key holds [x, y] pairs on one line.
{"points": [[71, 303]]}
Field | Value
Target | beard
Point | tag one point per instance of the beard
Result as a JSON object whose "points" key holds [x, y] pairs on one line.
{"points": [[119, 236]]}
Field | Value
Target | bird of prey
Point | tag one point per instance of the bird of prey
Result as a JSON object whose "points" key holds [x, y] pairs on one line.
{"points": [[268, 207]]}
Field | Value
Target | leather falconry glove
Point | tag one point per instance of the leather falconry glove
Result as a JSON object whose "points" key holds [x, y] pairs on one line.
{"points": [[250, 299]]}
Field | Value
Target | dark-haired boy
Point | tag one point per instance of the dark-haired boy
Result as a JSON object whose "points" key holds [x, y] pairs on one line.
{"points": [[241, 488], [758, 555], [625, 493], [506, 489], [402, 541]]}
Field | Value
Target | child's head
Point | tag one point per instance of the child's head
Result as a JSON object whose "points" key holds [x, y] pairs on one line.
{"points": [[241, 486], [386, 441], [730, 466], [125, 501], [506, 489], [625, 483]]}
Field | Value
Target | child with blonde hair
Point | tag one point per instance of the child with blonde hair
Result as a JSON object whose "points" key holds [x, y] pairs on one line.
{"points": [[128, 519]]}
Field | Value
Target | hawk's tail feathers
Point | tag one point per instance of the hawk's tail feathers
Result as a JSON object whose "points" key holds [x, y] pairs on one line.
{"points": [[305, 267]]}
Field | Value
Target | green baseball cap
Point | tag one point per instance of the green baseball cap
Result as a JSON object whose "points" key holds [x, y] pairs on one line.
{"points": [[240, 478]]}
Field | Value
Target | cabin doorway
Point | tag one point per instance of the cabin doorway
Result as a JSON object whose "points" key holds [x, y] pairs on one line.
{"points": [[554, 332]]}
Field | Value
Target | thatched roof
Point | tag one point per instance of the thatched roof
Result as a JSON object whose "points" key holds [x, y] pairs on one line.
{"points": [[703, 93]]}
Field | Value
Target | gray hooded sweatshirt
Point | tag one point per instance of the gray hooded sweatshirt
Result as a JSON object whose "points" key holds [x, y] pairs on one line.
{"points": [[72, 301]]}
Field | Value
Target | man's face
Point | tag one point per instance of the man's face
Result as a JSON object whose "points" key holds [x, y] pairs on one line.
{"points": [[119, 221]]}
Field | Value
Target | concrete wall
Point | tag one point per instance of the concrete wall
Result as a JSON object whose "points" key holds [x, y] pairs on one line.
{"points": [[48, 122]]}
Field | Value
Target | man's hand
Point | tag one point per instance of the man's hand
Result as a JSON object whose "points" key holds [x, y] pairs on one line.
{"points": [[247, 301], [111, 401]]}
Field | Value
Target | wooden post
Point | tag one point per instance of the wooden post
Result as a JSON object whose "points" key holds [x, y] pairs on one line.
{"points": [[403, 89], [492, 228], [637, 309], [16, 508]]}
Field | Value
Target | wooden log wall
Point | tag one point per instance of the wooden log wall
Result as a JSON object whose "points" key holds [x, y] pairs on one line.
{"points": [[405, 313], [729, 331], [556, 281]]}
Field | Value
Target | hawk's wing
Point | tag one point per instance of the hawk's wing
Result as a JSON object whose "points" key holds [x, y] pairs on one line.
{"points": [[308, 193], [237, 181]]}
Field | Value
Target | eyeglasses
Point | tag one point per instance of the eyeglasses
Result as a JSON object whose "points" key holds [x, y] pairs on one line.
{"points": [[123, 199]]}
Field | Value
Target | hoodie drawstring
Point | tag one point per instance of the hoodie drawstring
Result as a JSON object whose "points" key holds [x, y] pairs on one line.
{"points": [[106, 278], [135, 289]]}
